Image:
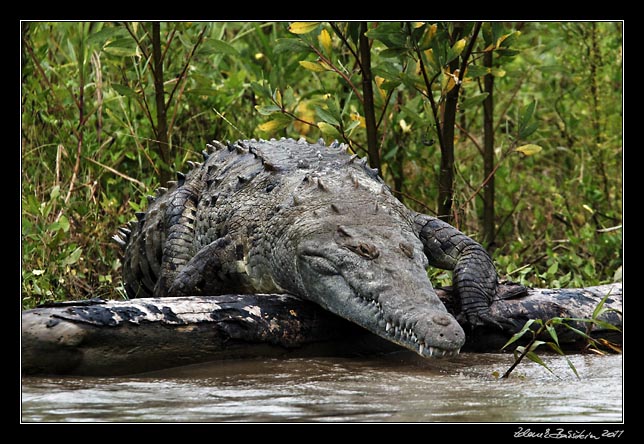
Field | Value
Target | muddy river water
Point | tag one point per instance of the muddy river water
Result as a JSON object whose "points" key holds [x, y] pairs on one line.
{"points": [[399, 387]]}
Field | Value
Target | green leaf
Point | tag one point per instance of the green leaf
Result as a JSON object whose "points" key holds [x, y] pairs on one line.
{"points": [[520, 333], [579, 332], [260, 89], [351, 126], [54, 193], [393, 53], [526, 131], [552, 333], [326, 116], [291, 45], [389, 33], [124, 90], [120, 51], [267, 109], [572, 367], [216, 46], [73, 257], [558, 350], [105, 34], [535, 358], [474, 100], [474, 71], [599, 309], [552, 269]]}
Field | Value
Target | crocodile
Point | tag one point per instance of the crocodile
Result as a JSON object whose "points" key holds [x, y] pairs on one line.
{"points": [[314, 221]]}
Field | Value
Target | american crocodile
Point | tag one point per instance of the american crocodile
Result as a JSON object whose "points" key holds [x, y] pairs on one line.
{"points": [[314, 221]]}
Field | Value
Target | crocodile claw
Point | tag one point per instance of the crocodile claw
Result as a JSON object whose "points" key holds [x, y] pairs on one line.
{"points": [[487, 319]]}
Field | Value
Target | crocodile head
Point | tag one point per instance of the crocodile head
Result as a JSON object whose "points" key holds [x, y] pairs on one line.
{"points": [[375, 276]]}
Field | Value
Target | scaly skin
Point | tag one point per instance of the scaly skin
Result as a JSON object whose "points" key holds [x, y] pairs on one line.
{"points": [[312, 221]]}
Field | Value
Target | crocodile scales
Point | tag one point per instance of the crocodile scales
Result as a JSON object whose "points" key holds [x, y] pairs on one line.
{"points": [[287, 216]]}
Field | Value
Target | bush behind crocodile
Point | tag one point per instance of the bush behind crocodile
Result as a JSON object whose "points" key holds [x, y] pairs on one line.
{"points": [[286, 216]]}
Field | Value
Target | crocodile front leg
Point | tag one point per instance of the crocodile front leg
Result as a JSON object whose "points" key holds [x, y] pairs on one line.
{"points": [[475, 279], [215, 269]]}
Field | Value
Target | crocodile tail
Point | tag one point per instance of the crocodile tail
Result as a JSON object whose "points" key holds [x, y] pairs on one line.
{"points": [[143, 245]]}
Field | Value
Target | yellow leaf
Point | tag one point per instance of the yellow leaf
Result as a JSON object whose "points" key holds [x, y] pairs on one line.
{"points": [[328, 129], [325, 41], [587, 208], [406, 128], [312, 66], [304, 114], [302, 27], [430, 56], [277, 95], [271, 125], [429, 35], [417, 25], [459, 46], [498, 72], [529, 149], [356, 116], [379, 81]]}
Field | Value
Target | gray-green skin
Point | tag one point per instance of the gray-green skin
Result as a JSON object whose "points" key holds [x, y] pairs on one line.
{"points": [[286, 216]]}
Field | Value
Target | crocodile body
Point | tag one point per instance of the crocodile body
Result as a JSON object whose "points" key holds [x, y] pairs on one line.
{"points": [[286, 216]]}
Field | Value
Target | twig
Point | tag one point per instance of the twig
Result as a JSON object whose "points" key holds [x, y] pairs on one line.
{"points": [[187, 64], [118, 173], [609, 229], [471, 137]]}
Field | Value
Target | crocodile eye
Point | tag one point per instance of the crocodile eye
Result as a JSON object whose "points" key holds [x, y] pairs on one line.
{"points": [[407, 249], [365, 250]]}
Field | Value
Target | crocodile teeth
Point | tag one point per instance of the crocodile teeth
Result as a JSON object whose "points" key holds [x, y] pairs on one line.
{"points": [[388, 326], [421, 347], [432, 351]]}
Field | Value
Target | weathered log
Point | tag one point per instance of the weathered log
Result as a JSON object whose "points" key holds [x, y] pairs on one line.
{"points": [[99, 337]]}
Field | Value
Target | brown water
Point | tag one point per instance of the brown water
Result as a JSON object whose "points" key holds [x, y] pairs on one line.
{"points": [[400, 387]]}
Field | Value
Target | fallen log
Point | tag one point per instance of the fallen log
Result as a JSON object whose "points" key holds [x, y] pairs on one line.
{"points": [[97, 337]]}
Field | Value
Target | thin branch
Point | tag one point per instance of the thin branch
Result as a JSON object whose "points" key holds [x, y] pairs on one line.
{"points": [[489, 176], [510, 100], [346, 43], [335, 69], [468, 51], [422, 204], [428, 86], [471, 137], [118, 173], [169, 41], [187, 64], [138, 42]]}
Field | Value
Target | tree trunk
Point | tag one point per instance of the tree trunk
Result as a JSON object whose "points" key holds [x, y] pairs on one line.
{"points": [[161, 130], [488, 154], [99, 337], [367, 95]]}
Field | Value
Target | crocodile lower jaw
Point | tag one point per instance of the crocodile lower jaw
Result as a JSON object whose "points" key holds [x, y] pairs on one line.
{"points": [[406, 336]]}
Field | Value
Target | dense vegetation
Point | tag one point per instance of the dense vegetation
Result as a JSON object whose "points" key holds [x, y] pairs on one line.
{"points": [[510, 131]]}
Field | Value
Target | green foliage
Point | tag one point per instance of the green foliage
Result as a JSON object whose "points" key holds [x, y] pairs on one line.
{"points": [[94, 107], [549, 328]]}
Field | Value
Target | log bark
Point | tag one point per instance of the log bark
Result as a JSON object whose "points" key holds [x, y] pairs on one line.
{"points": [[97, 337]]}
